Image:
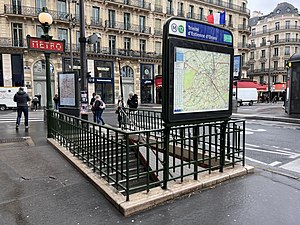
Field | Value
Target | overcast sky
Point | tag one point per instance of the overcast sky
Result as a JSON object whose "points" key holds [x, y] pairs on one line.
{"points": [[267, 6]]}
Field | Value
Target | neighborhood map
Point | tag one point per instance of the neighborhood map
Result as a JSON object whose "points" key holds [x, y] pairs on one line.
{"points": [[201, 80]]}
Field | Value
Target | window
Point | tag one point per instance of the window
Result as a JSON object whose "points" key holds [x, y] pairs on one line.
{"points": [[276, 38], [127, 71], [277, 26], [210, 12], [296, 24], [158, 47], [275, 51], [287, 50], [142, 45], [296, 37], [157, 27], [126, 21], [77, 41], [61, 9], [263, 53], [201, 17], [127, 45], [252, 67], [17, 34], [287, 24], [253, 31], [230, 21], [39, 31], [112, 44], [296, 49], [251, 55], [284, 78], [287, 37], [263, 66], [111, 18], [63, 35], [274, 79], [95, 16], [191, 11], [263, 41], [40, 4], [180, 7], [265, 29], [17, 7], [275, 65], [142, 23]]}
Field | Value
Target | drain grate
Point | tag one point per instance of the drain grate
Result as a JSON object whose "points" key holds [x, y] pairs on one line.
{"points": [[9, 140], [17, 140]]}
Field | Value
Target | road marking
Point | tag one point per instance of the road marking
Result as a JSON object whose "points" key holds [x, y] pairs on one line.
{"points": [[274, 163], [255, 130], [292, 166], [256, 146], [269, 151], [254, 160]]}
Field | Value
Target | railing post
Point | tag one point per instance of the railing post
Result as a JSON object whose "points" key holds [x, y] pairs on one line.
{"points": [[166, 155], [49, 123], [222, 144], [195, 150]]}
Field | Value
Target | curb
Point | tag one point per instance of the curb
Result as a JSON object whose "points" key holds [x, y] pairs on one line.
{"points": [[146, 200]]}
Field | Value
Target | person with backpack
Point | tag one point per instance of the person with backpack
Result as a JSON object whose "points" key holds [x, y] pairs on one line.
{"points": [[21, 98], [92, 103], [99, 107]]}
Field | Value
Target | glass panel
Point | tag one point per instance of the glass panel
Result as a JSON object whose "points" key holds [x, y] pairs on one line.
{"points": [[105, 90]]}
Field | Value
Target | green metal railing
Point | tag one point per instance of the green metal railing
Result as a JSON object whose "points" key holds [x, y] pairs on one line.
{"points": [[145, 154]]}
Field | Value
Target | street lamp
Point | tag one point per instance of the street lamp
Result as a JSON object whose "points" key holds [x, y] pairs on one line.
{"points": [[121, 80], [269, 72], [46, 20]]}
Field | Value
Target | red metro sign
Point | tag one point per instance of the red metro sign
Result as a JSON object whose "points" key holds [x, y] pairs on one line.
{"points": [[42, 45]]}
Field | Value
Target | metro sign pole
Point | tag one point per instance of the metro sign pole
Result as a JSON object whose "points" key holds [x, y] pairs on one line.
{"points": [[47, 45]]}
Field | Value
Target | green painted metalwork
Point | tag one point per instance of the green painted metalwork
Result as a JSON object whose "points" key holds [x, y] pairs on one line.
{"points": [[145, 153]]}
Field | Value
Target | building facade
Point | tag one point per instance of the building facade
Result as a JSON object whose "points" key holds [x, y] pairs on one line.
{"points": [[274, 39], [130, 45]]}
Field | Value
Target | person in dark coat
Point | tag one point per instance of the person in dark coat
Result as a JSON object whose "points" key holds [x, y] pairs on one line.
{"points": [[91, 103], [21, 98], [99, 107], [56, 101], [132, 101]]}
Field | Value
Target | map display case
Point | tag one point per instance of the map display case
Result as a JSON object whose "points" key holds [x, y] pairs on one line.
{"points": [[197, 71]]}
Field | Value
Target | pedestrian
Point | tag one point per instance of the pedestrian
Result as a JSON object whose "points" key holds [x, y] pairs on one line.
{"points": [[21, 98], [119, 110], [35, 102], [132, 101], [274, 100], [56, 101], [91, 103], [99, 107]]}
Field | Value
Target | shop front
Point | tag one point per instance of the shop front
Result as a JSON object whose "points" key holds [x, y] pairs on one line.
{"points": [[147, 83]]}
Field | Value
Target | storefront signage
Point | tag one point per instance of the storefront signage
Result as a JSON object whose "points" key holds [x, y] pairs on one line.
{"points": [[97, 80], [42, 45]]}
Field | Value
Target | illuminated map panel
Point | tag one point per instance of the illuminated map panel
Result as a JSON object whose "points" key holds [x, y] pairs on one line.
{"points": [[201, 81]]}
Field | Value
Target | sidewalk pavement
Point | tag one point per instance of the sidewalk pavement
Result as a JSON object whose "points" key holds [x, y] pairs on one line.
{"points": [[38, 186]]}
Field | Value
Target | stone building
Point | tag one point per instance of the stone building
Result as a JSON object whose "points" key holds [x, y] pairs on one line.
{"points": [[274, 39], [131, 33]]}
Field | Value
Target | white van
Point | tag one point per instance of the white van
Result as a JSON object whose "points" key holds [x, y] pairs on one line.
{"points": [[245, 95], [7, 97]]}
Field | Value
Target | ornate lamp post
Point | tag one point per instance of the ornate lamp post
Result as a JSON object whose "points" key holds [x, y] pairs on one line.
{"points": [[46, 20]]}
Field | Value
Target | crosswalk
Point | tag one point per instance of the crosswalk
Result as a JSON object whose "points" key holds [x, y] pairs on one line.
{"points": [[10, 117]]}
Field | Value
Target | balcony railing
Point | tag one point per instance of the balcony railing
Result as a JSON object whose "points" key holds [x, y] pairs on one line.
{"points": [[9, 42], [33, 11], [266, 70], [158, 32], [128, 27], [136, 3], [191, 15], [95, 21], [158, 8], [224, 4], [180, 13], [278, 29], [243, 27], [170, 11]]}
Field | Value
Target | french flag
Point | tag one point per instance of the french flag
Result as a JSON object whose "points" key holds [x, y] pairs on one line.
{"points": [[217, 18]]}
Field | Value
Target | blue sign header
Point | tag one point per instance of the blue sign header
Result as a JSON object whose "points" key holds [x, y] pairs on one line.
{"points": [[200, 31]]}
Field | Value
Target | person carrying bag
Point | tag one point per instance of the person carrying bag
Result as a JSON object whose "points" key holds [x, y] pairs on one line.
{"points": [[98, 107]]}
